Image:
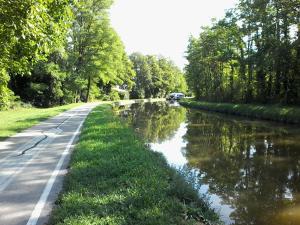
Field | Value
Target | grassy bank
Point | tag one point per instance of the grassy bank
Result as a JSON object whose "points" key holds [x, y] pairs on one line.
{"points": [[15, 120], [267, 112], [115, 179]]}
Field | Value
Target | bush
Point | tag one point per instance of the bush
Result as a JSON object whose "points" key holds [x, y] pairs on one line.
{"points": [[6, 95], [114, 96]]}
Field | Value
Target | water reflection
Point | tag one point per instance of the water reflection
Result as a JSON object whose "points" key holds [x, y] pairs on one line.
{"points": [[250, 169], [254, 167], [156, 122]]}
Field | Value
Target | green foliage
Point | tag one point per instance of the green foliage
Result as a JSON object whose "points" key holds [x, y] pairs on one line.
{"points": [[46, 82], [29, 31], [5, 94], [115, 179], [155, 77], [97, 54], [114, 96], [251, 55], [59, 51]]}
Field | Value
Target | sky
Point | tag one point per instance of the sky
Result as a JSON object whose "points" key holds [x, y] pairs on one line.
{"points": [[163, 27]]}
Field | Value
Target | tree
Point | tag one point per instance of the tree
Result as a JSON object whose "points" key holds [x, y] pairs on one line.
{"points": [[248, 56], [29, 30], [96, 52], [59, 51], [155, 77]]}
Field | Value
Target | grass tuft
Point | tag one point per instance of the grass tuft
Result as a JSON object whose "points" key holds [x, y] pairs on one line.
{"points": [[115, 179]]}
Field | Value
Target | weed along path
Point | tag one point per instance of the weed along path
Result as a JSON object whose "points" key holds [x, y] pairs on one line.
{"points": [[32, 164]]}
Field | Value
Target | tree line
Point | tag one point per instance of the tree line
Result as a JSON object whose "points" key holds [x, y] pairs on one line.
{"points": [[156, 76], [61, 51], [250, 55], [58, 51]]}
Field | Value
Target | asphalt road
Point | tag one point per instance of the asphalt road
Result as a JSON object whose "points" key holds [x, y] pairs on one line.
{"points": [[32, 166]]}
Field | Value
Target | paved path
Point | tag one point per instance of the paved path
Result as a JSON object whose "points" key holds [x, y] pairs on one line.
{"points": [[32, 165]]}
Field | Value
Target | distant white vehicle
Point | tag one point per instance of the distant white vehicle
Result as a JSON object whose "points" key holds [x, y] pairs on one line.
{"points": [[175, 96]]}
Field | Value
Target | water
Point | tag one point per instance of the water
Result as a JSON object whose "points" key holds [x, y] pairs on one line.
{"points": [[249, 169]]}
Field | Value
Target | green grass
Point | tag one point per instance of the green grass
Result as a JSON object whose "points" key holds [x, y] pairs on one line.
{"points": [[267, 112], [115, 179], [15, 120]]}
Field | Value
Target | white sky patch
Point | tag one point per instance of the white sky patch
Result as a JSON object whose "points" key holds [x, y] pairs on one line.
{"points": [[163, 27]]}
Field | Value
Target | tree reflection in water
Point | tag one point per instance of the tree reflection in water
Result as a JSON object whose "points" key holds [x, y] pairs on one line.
{"points": [[252, 166], [156, 122]]}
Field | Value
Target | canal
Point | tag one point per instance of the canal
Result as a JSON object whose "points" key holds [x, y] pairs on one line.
{"points": [[249, 169]]}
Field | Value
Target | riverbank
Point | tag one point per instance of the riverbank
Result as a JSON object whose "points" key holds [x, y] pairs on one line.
{"points": [[266, 112], [15, 120], [114, 178]]}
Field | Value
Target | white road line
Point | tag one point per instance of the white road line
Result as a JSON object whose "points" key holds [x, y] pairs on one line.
{"points": [[43, 199]]}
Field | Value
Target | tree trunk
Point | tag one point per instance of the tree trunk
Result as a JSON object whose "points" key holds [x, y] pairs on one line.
{"points": [[231, 83], [277, 57], [88, 89]]}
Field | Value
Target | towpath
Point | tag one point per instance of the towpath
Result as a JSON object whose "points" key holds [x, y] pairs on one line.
{"points": [[32, 166]]}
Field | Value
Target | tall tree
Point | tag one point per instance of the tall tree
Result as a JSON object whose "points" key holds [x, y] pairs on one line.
{"points": [[29, 30], [251, 55], [155, 76], [96, 52]]}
